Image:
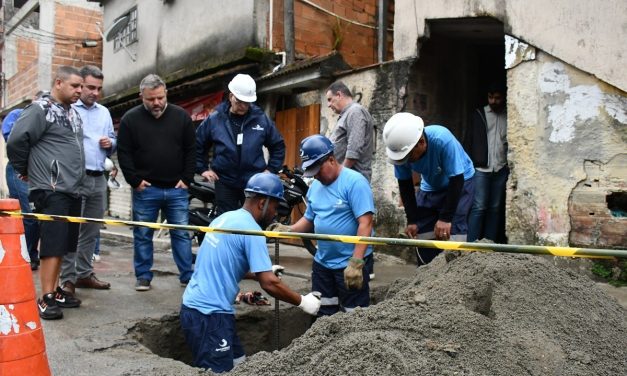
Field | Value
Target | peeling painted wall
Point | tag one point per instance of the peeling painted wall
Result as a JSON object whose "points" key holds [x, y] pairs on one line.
{"points": [[559, 118]]}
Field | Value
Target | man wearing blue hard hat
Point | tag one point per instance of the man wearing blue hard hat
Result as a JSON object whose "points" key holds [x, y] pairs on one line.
{"points": [[207, 315], [339, 202]]}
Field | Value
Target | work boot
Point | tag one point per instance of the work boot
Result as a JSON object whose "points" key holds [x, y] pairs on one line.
{"points": [[92, 282]]}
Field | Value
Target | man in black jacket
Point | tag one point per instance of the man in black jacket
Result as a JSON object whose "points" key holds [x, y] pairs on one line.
{"points": [[156, 151], [486, 144]]}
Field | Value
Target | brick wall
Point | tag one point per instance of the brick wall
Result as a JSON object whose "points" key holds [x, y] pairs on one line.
{"points": [[78, 24], [72, 26], [597, 205], [318, 33], [24, 84]]}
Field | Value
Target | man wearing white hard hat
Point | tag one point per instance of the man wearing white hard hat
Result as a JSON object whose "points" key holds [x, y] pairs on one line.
{"points": [[237, 132], [439, 209]]}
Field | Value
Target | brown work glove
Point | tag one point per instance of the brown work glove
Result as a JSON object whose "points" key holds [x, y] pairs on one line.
{"points": [[278, 227], [353, 274]]}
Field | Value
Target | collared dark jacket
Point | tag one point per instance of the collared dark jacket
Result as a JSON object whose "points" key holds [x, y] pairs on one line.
{"points": [[235, 165], [476, 138]]}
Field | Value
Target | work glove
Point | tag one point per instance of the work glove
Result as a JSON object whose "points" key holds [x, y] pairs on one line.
{"points": [[353, 274], [278, 227], [309, 303], [277, 270]]}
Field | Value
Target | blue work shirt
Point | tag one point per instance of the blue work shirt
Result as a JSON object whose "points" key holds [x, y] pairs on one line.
{"points": [[97, 123], [334, 209], [222, 262], [445, 157], [9, 121]]}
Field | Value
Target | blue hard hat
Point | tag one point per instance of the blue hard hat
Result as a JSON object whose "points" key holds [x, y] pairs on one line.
{"points": [[267, 184], [313, 149]]}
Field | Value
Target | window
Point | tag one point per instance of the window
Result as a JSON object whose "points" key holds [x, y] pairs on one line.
{"points": [[127, 35]]}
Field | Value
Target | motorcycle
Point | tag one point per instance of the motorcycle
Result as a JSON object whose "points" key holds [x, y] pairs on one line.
{"points": [[295, 191]]}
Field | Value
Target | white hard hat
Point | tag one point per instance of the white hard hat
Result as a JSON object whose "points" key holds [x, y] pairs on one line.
{"points": [[244, 88], [108, 164], [400, 134]]}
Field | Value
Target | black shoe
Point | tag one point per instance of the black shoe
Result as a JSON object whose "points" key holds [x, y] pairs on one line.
{"points": [[65, 299], [142, 285], [48, 308], [34, 264]]}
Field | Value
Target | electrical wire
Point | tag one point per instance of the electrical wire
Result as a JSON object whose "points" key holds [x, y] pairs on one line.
{"points": [[340, 17], [33, 34]]}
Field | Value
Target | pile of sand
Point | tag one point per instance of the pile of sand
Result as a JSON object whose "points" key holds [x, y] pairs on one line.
{"points": [[479, 314]]}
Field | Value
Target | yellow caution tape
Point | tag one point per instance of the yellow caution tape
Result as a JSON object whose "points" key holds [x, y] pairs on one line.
{"points": [[437, 244]]}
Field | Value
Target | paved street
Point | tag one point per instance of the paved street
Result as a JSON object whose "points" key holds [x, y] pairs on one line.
{"points": [[114, 331], [99, 337]]}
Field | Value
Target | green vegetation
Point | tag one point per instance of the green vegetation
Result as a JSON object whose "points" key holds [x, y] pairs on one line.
{"points": [[613, 271]]}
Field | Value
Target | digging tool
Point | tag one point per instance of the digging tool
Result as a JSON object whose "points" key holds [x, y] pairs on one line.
{"points": [[276, 301]]}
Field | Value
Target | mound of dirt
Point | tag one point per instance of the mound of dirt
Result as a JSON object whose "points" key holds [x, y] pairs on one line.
{"points": [[479, 314]]}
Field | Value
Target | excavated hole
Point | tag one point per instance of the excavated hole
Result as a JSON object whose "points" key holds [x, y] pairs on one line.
{"points": [[255, 327], [164, 336]]}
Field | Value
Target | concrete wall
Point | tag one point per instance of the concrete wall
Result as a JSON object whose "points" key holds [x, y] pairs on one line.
{"points": [[590, 35], [181, 35], [561, 121]]}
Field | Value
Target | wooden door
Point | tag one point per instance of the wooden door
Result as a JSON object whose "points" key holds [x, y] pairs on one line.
{"points": [[295, 124]]}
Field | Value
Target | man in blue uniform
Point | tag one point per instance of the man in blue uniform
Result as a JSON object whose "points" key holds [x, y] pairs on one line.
{"points": [[207, 315], [340, 202], [439, 209]]}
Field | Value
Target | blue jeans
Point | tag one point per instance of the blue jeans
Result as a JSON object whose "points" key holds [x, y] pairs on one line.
{"points": [[173, 202], [484, 219], [18, 189]]}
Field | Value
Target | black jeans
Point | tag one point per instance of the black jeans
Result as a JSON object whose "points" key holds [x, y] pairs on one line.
{"points": [[228, 198]]}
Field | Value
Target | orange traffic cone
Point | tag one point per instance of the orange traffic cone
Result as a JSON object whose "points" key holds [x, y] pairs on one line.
{"points": [[22, 345]]}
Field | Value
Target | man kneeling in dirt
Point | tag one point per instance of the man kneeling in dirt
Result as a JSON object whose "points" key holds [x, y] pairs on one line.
{"points": [[207, 315]]}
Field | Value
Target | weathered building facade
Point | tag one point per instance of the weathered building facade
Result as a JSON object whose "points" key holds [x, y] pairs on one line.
{"points": [[567, 107], [563, 64], [38, 37], [198, 46]]}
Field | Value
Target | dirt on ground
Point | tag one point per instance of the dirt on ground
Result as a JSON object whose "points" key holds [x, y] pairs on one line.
{"points": [[477, 314]]}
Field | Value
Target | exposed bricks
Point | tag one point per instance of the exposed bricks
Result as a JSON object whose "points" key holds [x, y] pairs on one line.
{"points": [[314, 29], [73, 24]]}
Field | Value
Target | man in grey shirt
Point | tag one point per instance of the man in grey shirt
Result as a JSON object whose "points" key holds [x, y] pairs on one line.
{"points": [[486, 144], [353, 136]]}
